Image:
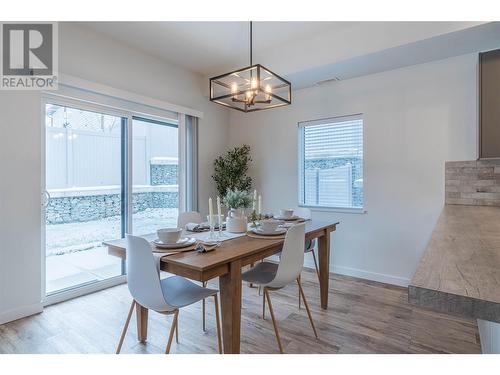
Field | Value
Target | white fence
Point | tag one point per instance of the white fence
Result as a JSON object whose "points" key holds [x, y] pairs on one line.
{"points": [[329, 187], [81, 158]]}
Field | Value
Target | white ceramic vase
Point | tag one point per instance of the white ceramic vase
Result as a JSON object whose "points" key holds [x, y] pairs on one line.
{"points": [[236, 221]]}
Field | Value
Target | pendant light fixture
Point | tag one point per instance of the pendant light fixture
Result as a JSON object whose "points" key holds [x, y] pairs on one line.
{"points": [[251, 89]]}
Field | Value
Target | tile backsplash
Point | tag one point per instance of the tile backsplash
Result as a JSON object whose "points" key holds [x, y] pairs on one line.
{"points": [[473, 182]]}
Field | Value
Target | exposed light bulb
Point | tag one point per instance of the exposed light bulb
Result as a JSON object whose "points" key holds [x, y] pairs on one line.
{"points": [[234, 88], [253, 83], [249, 94], [268, 90]]}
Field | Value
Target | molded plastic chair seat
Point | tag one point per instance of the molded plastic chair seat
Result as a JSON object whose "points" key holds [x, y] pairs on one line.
{"points": [[183, 219], [180, 292], [308, 246], [273, 276], [262, 273], [188, 217], [165, 296]]}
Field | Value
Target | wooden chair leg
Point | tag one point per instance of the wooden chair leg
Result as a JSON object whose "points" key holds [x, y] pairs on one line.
{"points": [[266, 293], [315, 263], [125, 328], [301, 291], [217, 319], [299, 295], [203, 309], [171, 335]]}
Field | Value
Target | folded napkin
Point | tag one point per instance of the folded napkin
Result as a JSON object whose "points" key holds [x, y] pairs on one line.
{"points": [[195, 227], [202, 227]]}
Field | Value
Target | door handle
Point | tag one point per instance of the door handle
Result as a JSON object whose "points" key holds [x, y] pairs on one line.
{"points": [[46, 198]]}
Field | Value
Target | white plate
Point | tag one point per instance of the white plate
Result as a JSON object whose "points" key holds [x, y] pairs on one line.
{"points": [[291, 218], [183, 242], [179, 242], [277, 232]]}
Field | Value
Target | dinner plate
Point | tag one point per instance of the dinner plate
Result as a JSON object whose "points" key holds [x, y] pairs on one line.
{"points": [[277, 232], [177, 250], [183, 242], [291, 218]]}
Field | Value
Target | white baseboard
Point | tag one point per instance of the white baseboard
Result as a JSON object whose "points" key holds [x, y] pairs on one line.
{"points": [[380, 277], [20, 312], [362, 274]]}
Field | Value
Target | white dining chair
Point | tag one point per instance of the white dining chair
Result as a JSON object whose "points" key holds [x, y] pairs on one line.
{"points": [[183, 219], [165, 296], [273, 276], [188, 217]]}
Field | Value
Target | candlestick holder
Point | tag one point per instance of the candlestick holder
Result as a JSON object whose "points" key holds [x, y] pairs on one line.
{"points": [[212, 231], [220, 233]]}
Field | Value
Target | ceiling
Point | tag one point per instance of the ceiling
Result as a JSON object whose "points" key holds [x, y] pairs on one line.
{"points": [[305, 52], [205, 46]]}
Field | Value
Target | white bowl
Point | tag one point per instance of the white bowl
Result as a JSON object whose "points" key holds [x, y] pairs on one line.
{"points": [[286, 212], [269, 226], [169, 235]]}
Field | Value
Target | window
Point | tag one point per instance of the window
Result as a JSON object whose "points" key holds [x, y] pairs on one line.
{"points": [[331, 162]]}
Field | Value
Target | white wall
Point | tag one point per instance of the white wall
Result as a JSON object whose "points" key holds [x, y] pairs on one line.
{"points": [[93, 57], [20, 208], [415, 119]]}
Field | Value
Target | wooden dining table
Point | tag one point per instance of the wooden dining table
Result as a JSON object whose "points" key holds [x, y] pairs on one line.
{"points": [[226, 263]]}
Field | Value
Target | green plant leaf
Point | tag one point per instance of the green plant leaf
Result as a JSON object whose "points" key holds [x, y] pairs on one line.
{"points": [[230, 171]]}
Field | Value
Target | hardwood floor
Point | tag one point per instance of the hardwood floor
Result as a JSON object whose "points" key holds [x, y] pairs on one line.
{"points": [[363, 317]]}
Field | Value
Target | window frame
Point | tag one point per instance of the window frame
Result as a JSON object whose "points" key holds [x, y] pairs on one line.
{"points": [[301, 163]]}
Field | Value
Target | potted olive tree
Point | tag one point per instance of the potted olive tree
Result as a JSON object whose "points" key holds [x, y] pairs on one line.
{"points": [[233, 184], [236, 201], [230, 170]]}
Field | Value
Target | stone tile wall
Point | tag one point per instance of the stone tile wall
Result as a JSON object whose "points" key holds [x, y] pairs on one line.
{"points": [[95, 207], [473, 182]]}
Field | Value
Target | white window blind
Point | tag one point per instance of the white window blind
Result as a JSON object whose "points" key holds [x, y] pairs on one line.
{"points": [[331, 162]]}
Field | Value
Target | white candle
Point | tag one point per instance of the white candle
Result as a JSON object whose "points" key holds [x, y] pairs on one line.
{"points": [[260, 204], [210, 212], [254, 199], [219, 213]]}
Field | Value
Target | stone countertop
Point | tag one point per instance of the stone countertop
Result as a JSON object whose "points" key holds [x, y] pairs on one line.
{"points": [[460, 270]]}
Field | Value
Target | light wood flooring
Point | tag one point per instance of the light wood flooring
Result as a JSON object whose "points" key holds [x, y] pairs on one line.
{"points": [[363, 317]]}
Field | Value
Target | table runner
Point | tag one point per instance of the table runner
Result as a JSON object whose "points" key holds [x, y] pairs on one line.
{"points": [[200, 236]]}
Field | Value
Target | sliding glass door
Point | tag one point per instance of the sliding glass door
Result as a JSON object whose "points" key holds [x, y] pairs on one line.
{"points": [[155, 190], [107, 172], [84, 205]]}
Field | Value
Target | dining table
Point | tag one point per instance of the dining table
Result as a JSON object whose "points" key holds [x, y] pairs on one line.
{"points": [[226, 263]]}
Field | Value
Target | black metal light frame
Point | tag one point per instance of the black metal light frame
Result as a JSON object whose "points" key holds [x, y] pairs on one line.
{"points": [[282, 101]]}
